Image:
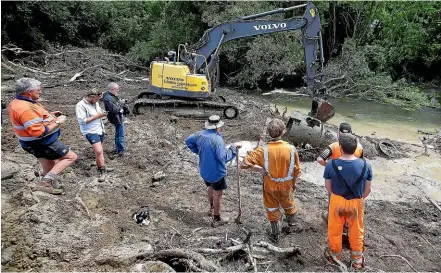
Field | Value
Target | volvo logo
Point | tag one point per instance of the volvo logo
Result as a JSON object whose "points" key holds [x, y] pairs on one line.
{"points": [[270, 26], [174, 79]]}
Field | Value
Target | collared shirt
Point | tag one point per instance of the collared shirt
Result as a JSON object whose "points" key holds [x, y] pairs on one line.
{"points": [[30, 120], [213, 154], [85, 110]]}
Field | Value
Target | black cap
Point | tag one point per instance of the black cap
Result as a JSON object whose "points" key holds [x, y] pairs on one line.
{"points": [[345, 127]]}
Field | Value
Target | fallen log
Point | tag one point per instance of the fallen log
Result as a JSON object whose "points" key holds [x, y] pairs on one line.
{"points": [[199, 260]]}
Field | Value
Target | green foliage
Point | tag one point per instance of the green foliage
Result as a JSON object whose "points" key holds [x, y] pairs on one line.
{"points": [[359, 81]]}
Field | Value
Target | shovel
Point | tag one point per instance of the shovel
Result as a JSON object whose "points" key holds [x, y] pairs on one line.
{"points": [[239, 216]]}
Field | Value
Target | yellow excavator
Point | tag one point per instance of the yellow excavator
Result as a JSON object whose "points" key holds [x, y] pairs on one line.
{"points": [[188, 80]]}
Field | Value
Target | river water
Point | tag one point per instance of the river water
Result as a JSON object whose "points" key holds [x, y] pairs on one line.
{"points": [[371, 118]]}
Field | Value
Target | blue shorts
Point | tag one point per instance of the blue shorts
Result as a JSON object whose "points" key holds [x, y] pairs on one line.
{"points": [[53, 151], [94, 138], [219, 185]]}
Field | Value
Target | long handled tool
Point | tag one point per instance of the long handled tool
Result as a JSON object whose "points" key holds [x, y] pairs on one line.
{"points": [[239, 216]]}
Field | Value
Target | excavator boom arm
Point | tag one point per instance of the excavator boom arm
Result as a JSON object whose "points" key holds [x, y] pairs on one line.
{"points": [[247, 26]]}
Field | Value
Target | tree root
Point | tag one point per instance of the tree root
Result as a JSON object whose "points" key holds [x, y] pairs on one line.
{"points": [[197, 259]]}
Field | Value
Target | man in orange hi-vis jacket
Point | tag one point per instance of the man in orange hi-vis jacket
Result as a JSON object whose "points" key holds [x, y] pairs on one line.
{"points": [[348, 181], [37, 131], [279, 163]]}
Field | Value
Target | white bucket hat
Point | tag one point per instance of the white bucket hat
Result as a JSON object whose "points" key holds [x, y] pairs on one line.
{"points": [[213, 122]]}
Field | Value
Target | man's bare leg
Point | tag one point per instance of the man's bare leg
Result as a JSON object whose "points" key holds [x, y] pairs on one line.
{"points": [[64, 162], [99, 154]]}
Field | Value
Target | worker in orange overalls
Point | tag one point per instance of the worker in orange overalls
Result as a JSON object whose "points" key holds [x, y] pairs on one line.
{"points": [[333, 152], [279, 163], [348, 181], [37, 131]]}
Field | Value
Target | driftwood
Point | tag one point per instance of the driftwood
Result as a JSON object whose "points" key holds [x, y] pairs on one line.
{"points": [[281, 91], [74, 77]]}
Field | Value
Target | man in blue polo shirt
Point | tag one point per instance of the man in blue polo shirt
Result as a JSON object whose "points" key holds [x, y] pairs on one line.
{"points": [[348, 181], [213, 155]]}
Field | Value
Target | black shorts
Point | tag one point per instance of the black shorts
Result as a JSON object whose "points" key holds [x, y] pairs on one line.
{"points": [[219, 185], [95, 138], [53, 151]]}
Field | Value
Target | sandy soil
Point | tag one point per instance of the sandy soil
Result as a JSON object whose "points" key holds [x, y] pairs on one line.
{"points": [[54, 233]]}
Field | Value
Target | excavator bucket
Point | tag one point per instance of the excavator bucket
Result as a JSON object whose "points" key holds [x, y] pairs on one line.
{"points": [[325, 111]]}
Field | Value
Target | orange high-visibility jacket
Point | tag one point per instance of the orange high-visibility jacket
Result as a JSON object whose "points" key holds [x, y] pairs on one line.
{"points": [[336, 153], [30, 119], [279, 159]]}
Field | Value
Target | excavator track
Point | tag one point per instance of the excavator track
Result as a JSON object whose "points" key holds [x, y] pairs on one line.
{"points": [[187, 108]]}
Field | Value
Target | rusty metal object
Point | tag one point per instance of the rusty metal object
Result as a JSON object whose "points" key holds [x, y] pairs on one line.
{"points": [[302, 129]]}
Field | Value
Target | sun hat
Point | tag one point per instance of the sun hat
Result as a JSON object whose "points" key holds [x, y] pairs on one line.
{"points": [[213, 122]]}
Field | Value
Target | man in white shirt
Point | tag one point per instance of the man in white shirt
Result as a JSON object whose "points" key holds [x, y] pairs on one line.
{"points": [[89, 116]]}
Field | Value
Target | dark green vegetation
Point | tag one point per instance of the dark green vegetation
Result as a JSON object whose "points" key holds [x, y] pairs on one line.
{"points": [[372, 49]]}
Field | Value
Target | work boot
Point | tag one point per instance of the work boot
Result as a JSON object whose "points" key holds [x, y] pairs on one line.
{"points": [[219, 221], [47, 185], [101, 174], [332, 257], [357, 261], [291, 219], [275, 231]]}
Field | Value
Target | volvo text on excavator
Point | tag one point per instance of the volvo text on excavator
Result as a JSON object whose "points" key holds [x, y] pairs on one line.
{"points": [[188, 81]]}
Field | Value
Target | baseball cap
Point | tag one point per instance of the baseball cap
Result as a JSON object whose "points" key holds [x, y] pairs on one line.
{"points": [[345, 127]]}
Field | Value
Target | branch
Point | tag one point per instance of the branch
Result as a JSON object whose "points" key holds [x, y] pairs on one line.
{"points": [[335, 79], [29, 69], [221, 250], [288, 250], [402, 258], [433, 203]]}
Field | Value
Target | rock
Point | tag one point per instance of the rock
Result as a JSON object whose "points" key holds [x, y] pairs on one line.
{"points": [[152, 266], [9, 169], [155, 184], [7, 255], [159, 176]]}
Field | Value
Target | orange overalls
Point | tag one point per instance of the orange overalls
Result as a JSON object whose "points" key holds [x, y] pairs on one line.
{"points": [[281, 162], [351, 211]]}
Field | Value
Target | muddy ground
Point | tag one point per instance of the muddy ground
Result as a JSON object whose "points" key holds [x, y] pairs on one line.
{"points": [[41, 232]]}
